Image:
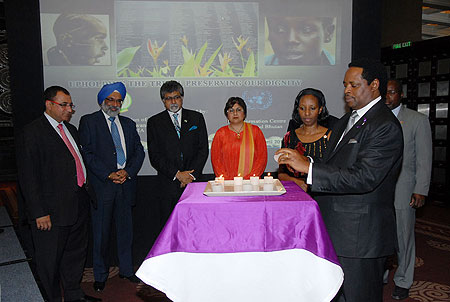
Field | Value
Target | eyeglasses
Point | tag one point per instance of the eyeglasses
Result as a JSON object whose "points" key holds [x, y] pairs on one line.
{"points": [[392, 92], [111, 100], [238, 110], [169, 98], [64, 105]]}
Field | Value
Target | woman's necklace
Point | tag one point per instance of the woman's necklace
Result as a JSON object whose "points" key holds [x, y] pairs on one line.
{"points": [[237, 132]]}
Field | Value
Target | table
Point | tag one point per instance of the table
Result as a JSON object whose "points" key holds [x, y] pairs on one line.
{"points": [[244, 248]]}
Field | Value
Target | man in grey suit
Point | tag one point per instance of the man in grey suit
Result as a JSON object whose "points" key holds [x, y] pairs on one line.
{"points": [[412, 184], [354, 185]]}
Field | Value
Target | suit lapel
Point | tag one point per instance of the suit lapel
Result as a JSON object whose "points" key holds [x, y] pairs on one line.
{"points": [[104, 128], [167, 120], [335, 144], [401, 115], [54, 135], [184, 122], [126, 134], [357, 127]]}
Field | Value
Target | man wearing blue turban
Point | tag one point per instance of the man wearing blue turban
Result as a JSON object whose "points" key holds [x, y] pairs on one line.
{"points": [[113, 155]]}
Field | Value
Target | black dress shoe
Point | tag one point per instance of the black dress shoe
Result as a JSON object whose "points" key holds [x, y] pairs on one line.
{"points": [[131, 278], [400, 293], [99, 286], [87, 298]]}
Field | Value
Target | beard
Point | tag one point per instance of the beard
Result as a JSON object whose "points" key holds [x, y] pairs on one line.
{"points": [[174, 108], [109, 110]]}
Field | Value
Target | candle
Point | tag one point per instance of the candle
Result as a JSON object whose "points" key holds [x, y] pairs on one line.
{"points": [[268, 186], [238, 180], [254, 180], [268, 179], [220, 179], [247, 186], [217, 186], [238, 188]]}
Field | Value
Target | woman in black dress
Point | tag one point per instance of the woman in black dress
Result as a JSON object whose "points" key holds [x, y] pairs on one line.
{"points": [[311, 136]]}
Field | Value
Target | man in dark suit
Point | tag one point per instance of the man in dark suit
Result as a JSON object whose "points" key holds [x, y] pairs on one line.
{"points": [[113, 154], [355, 183], [177, 146], [52, 177]]}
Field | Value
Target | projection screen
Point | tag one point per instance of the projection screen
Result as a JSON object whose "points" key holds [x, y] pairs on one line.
{"points": [[215, 49]]}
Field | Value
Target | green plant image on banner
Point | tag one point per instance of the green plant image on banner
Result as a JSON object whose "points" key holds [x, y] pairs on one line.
{"points": [[195, 63]]}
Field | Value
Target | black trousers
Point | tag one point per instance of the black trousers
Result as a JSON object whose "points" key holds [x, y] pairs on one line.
{"points": [[60, 254], [169, 194], [363, 280]]}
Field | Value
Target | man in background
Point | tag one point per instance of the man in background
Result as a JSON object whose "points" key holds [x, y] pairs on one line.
{"points": [[177, 146], [355, 182], [113, 154], [412, 184], [80, 40], [52, 176]]}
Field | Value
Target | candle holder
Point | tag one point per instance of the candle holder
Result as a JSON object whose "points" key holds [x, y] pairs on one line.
{"points": [[254, 180]]}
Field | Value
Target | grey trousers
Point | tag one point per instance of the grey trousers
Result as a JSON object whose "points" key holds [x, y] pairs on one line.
{"points": [[406, 219]]}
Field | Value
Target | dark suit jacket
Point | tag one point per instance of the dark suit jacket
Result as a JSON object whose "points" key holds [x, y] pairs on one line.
{"points": [[168, 153], [48, 174], [100, 157], [357, 181]]}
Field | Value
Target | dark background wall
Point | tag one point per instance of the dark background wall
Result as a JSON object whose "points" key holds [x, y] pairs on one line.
{"points": [[401, 21]]}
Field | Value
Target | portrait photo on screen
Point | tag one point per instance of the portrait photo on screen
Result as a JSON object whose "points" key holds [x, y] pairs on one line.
{"points": [[75, 39], [304, 40]]}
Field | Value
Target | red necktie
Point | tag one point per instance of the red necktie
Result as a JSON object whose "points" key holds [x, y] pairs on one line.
{"points": [[80, 174]]}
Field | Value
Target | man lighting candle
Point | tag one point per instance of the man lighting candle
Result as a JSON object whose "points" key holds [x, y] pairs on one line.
{"points": [[357, 180]]}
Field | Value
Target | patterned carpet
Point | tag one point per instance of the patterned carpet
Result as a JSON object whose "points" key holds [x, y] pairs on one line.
{"points": [[432, 269], [432, 273]]}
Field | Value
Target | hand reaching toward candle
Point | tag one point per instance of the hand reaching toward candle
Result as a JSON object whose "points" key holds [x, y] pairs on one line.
{"points": [[294, 159]]}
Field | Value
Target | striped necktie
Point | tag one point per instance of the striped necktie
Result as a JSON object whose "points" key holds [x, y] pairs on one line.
{"points": [[116, 139], [176, 124]]}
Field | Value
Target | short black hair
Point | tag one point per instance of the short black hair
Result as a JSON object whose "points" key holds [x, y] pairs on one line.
{"points": [[169, 87], [398, 84], [235, 100], [51, 92], [372, 69], [321, 100]]}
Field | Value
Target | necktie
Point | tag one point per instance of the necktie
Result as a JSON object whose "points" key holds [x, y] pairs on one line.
{"points": [[116, 139], [176, 124], [351, 121], [80, 174]]}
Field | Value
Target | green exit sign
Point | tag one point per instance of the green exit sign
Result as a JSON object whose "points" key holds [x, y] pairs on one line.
{"points": [[402, 45]]}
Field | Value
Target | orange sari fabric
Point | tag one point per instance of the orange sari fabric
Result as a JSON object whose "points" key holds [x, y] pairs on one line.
{"points": [[245, 155]]}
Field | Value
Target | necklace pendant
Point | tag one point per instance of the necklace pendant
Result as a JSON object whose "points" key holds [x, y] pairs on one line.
{"points": [[238, 135]]}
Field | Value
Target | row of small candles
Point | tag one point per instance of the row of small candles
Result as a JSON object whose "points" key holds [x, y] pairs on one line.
{"points": [[244, 185]]}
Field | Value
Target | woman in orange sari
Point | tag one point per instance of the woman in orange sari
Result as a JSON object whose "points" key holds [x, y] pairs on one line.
{"points": [[240, 147]]}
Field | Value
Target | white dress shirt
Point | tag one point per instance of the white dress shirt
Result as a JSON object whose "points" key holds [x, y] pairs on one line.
{"points": [[55, 124], [122, 137]]}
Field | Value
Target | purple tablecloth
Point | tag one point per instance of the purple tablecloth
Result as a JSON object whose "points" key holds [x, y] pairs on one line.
{"points": [[244, 248], [205, 224]]}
